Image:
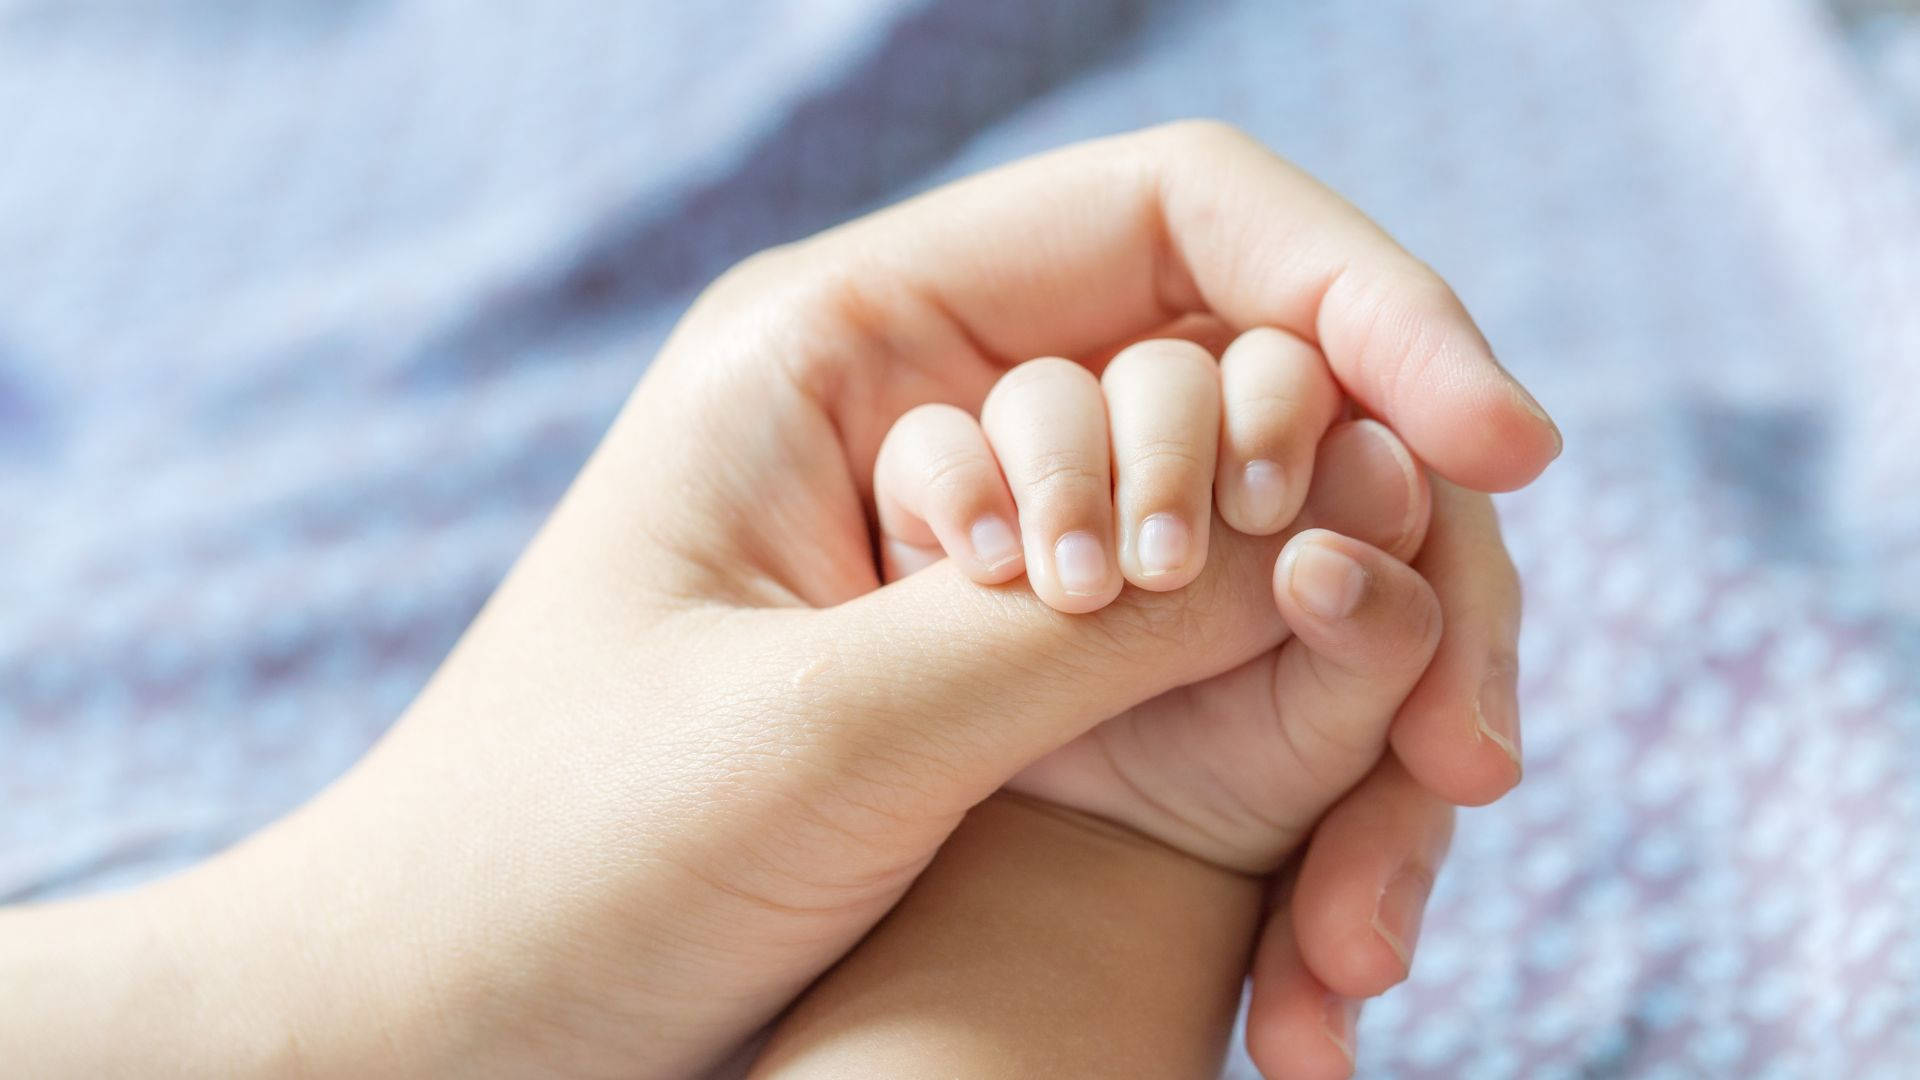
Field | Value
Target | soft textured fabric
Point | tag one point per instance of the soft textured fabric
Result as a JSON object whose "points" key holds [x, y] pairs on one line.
{"points": [[308, 311]]}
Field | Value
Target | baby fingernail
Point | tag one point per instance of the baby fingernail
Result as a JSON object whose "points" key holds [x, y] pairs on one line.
{"points": [[1496, 713], [1326, 581], [1265, 492], [1164, 544], [1081, 563], [1341, 1015], [1397, 914], [994, 543]]}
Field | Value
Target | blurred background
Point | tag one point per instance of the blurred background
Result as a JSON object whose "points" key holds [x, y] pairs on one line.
{"points": [[309, 311]]}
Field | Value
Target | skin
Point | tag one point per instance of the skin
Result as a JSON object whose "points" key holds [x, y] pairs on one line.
{"points": [[1010, 958], [1142, 454], [1231, 773], [1236, 769], [691, 751]]}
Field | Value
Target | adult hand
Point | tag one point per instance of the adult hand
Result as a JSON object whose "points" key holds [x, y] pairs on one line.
{"points": [[1346, 922], [690, 751]]}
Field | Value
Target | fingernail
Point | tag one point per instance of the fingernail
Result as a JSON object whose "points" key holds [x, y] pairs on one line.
{"points": [[1264, 489], [1163, 545], [1496, 713], [1081, 563], [1397, 914], [1532, 405], [994, 543], [1341, 1015], [1326, 581], [1374, 508]]}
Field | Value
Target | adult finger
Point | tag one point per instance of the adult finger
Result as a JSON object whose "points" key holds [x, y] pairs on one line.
{"points": [[1459, 731], [1297, 1029], [1364, 883], [985, 680], [1098, 242]]}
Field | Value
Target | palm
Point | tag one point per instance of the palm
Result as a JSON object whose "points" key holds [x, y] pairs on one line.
{"points": [[1198, 766]]}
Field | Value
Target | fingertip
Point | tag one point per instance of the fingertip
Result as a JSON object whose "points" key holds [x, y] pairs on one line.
{"points": [[1083, 577], [1506, 441], [994, 550], [1360, 607], [1507, 449], [1075, 604], [901, 558], [1303, 1032], [1458, 735], [1464, 767], [1532, 407], [1402, 344], [1366, 484], [1419, 494], [1164, 553], [1259, 498], [1363, 888], [1315, 574], [1347, 952]]}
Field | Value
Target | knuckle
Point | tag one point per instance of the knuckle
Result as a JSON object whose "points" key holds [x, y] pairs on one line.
{"points": [[1323, 739], [1396, 335], [933, 415], [1205, 133], [1166, 456], [1034, 378], [1272, 340], [753, 274], [1044, 371], [1155, 357], [1265, 411], [1057, 473], [954, 473], [840, 297]]}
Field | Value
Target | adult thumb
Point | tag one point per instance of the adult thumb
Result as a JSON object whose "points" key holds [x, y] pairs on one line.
{"points": [[955, 686]]}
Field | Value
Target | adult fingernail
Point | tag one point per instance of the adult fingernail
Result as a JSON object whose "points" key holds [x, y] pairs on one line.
{"points": [[1081, 563], [1326, 581], [1532, 405], [994, 543], [1164, 544], [1263, 489], [1342, 1013], [1371, 506], [1397, 914], [1496, 713]]}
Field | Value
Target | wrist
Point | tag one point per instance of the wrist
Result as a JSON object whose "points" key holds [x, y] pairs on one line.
{"points": [[1040, 941]]}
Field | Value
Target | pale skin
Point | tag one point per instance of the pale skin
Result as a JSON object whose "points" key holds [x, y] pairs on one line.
{"points": [[693, 749], [1232, 772]]}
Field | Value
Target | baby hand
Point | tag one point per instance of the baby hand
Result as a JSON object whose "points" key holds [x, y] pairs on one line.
{"points": [[1236, 768], [1087, 483]]}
